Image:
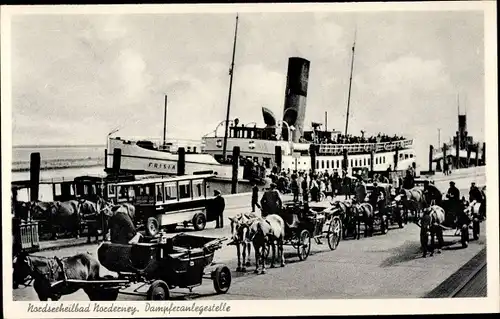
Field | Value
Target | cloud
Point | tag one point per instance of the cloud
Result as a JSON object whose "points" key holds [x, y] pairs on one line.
{"points": [[77, 77]]}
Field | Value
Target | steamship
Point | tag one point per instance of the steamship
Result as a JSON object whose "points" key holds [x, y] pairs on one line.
{"points": [[461, 151], [285, 144]]}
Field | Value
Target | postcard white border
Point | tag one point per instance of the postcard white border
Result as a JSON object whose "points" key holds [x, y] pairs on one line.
{"points": [[286, 307]]}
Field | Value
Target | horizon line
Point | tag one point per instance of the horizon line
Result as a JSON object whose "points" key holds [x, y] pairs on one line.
{"points": [[56, 145]]}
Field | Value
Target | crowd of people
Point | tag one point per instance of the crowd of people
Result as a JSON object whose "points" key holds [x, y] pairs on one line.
{"points": [[350, 139]]}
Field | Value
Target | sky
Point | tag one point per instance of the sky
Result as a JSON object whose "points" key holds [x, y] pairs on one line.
{"points": [[77, 77]]}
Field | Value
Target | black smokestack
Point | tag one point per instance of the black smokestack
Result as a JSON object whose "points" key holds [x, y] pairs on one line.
{"points": [[295, 96]]}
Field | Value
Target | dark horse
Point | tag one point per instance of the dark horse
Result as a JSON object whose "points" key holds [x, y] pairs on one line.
{"points": [[59, 216], [364, 213], [47, 271]]}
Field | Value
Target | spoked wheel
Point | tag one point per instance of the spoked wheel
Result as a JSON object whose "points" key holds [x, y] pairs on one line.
{"points": [[199, 222], [222, 279], [304, 245], [334, 233], [158, 291]]}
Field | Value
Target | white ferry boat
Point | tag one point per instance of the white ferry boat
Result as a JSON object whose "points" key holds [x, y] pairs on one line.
{"points": [[285, 144]]}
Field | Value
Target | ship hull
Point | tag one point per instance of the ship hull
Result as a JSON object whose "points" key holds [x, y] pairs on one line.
{"points": [[134, 158]]}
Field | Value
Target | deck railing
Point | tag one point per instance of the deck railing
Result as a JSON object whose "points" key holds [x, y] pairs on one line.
{"points": [[337, 149]]}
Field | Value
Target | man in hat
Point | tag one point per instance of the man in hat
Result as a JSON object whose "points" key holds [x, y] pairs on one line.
{"points": [[374, 197], [271, 201], [432, 194], [219, 205], [475, 193], [255, 196], [360, 191], [453, 196]]}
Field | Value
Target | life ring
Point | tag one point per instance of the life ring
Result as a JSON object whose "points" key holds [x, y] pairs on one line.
{"points": [[387, 147], [367, 148]]}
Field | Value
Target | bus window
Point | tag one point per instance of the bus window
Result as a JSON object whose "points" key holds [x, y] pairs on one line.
{"points": [[57, 190], [184, 189], [122, 192], [170, 191], [111, 190], [131, 193], [159, 193], [198, 188]]}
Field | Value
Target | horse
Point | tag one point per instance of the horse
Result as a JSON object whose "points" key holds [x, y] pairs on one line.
{"points": [[363, 212], [435, 225], [263, 232], [46, 271], [413, 200], [348, 217], [239, 228], [66, 215], [95, 216]]}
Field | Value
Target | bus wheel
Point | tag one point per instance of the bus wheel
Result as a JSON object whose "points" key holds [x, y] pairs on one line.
{"points": [[199, 222], [152, 226]]}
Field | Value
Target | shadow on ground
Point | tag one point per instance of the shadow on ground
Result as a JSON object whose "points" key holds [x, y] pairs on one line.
{"points": [[408, 251]]}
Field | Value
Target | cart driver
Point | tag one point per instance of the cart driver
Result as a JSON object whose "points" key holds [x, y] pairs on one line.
{"points": [[271, 201], [121, 226]]}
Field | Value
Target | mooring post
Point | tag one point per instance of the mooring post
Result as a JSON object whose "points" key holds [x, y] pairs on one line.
{"points": [[445, 158], [345, 160], [372, 158], [105, 158], [312, 154], [181, 161], [35, 161], [236, 163], [117, 159], [468, 155], [278, 158], [431, 151], [477, 154], [396, 159], [484, 153]]}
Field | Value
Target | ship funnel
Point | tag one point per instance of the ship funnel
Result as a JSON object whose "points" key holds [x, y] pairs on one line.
{"points": [[295, 97]]}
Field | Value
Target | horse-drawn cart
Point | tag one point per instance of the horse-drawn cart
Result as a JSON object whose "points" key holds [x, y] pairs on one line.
{"points": [[303, 222], [183, 261]]}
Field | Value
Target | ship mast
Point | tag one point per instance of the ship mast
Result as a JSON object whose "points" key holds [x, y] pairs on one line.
{"points": [[350, 83], [231, 71], [165, 123]]}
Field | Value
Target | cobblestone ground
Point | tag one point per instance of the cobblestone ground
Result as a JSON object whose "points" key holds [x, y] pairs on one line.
{"points": [[383, 266]]}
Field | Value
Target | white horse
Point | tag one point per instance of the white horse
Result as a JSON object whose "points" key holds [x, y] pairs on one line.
{"points": [[265, 232], [239, 229]]}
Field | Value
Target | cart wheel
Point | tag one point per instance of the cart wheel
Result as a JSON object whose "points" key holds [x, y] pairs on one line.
{"points": [[304, 246], [334, 233], [171, 228], [152, 226], [222, 279], [158, 291], [199, 222]]}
